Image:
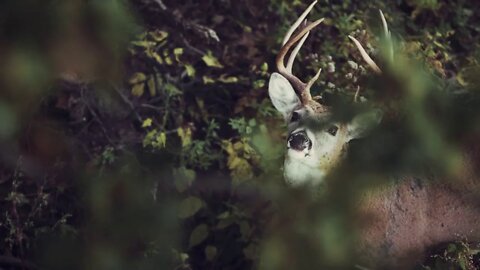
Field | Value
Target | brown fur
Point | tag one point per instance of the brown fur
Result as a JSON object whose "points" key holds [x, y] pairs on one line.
{"points": [[400, 223]]}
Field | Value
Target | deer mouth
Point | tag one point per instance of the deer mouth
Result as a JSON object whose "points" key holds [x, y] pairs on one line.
{"points": [[299, 141]]}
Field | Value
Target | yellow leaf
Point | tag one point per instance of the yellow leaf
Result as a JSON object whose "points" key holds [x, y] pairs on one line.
{"points": [[190, 70], [211, 60], [167, 58], [138, 89], [228, 147], [137, 77], [159, 35], [185, 136], [238, 146], [151, 86], [225, 79], [147, 122], [143, 44], [178, 52], [161, 140], [207, 80], [461, 80], [157, 57], [149, 137]]}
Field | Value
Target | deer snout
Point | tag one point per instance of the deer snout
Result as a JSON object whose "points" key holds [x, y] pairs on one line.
{"points": [[299, 141]]}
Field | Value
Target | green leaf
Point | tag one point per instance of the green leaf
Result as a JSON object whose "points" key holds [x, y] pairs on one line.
{"points": [[198, 235], [138, 89], [211, 60], [172, 90], [264, 67], [189, 207], [210, 252], [451, 248], [259, 84]]}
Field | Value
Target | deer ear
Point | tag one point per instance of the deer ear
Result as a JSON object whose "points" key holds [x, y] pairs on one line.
{"points": [[283, 97], [363, 123]]}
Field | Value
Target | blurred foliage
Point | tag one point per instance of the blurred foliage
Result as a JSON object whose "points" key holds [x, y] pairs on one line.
{"points": [[138, 134]]}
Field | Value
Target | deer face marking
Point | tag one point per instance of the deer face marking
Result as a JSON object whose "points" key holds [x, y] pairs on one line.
{"points": [[315, 144]]}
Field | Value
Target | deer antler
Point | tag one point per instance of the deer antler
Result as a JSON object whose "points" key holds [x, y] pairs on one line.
{"points": [[301, 88], [364, 53]]}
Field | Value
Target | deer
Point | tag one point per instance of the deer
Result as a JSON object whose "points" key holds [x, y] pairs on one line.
{"points": [[405, 219]]}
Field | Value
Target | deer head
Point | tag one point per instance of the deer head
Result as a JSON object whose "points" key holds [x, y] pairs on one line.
{"points": [[315, 143]]}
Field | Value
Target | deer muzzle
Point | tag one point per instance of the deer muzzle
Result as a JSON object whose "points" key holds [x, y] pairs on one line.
{"points": [[299, 141]]}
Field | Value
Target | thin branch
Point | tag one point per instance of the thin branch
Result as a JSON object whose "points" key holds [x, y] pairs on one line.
{"points": [[196, 50], [96, 117], [152, 107], [129, 103], [161, 4]]}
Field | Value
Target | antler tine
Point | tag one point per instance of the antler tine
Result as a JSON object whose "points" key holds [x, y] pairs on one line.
{"points": [[306, 94], [384, 23], [298, 22], [295, 51], [365, 55], [300, 87], [388, 35]]}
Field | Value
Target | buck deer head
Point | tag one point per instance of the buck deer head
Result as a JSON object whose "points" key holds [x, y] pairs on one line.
{"points": [[315, 143]]}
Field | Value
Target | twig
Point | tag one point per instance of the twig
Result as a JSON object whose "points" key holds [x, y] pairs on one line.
{"points": [[96, 117], [161, 4], [198, 51], [129, 103], [149, 106]]}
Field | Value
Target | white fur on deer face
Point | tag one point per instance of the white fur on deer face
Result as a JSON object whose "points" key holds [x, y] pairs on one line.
{"points": [[315, 144]]}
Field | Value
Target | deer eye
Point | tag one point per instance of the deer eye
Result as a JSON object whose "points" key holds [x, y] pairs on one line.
{"points": [[295, 117], [332, 130]]}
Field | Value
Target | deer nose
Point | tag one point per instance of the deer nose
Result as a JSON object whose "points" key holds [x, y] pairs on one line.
{"points": [[299, 141]]}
